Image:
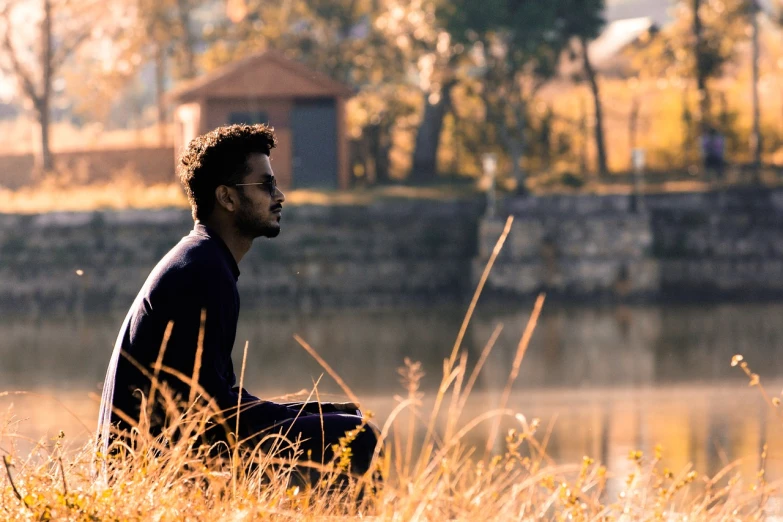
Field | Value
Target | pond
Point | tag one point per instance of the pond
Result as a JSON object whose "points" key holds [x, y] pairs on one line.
{"points": [[605, 380]]}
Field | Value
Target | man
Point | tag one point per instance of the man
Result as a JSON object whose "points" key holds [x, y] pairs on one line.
{"points": [[713, 146], [234, 198]]}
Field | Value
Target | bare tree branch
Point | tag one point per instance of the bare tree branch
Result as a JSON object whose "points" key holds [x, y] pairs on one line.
{"points": [[57, 36], [68, 47], [70, 42], [24, 76]]}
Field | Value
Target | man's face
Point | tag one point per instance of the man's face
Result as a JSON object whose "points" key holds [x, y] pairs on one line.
{"points": [[260, 206]]}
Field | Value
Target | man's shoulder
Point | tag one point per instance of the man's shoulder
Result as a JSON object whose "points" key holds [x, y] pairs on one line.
{"points": [[188, 274], [192, 255], [195, 248]]}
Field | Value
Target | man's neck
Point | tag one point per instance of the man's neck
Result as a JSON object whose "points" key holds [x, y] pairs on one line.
{"points": [[237, 244]]}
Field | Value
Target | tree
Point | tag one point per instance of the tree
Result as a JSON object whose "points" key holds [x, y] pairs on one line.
{"points": [[715, 29], [598, 123], [353, 41], [34, 59], [151, 38], [184, 41], [518, 44], [387, 49], [164, 35], [691, 52], [436, 59], [705, 62], [586, 25], [753, 13], [328, 35]]}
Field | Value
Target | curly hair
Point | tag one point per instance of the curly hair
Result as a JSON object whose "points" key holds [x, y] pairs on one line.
{"points": [[219, 157]]}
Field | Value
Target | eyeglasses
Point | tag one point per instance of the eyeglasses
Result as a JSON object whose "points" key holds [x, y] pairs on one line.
{"points": [[271, 183]]}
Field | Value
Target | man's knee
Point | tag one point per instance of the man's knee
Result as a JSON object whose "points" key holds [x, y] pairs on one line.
{"points": [[318, 436], [344, 422], [354, 433]]}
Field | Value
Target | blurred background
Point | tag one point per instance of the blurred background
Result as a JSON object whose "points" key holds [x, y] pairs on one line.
{"points": [[637, 143]]}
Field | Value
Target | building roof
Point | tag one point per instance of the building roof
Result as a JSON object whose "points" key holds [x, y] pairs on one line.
{"points": [[659, 11], [263, 75], [662, 12], [615, 37], [606, 50]]}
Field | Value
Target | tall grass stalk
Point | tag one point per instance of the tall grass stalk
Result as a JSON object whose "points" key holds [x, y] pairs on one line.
{"points": [[448, 366], [235, 455], [524, 342]]}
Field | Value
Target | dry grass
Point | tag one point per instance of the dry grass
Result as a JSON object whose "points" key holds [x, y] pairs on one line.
{"points": [[435, 477], [119, 195], [452, 484], [125, 190], [443, 479]]}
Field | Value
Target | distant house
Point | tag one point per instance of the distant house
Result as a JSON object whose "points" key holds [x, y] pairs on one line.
{"points": [[306, 108], [659, 11], [607, 51]]}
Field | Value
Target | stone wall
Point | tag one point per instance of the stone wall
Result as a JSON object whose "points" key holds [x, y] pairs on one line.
{"points": [[728, 244], [407, 252], [673, 246], [571, 248], [389, 252]]}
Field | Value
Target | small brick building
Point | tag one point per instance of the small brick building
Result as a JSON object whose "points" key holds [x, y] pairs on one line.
{"points": [[306, 108]]}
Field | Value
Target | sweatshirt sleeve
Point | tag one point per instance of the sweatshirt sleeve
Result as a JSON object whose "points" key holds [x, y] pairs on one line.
{"points": [[217, 376]]}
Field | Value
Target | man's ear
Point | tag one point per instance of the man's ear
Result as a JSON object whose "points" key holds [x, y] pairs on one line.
{"points": [[226, 198]]}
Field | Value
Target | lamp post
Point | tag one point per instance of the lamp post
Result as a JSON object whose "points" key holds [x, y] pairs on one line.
{"points": [[638, 160], [755, 137], [489, 163]]}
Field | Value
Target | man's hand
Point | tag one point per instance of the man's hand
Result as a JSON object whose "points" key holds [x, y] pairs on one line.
{"points": [[326, 407]]}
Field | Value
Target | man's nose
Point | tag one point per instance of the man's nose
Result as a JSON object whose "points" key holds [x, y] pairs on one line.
{"points": [[279, 196]]}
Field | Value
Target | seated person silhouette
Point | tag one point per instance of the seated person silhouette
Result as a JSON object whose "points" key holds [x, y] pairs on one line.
{"points": [[191, 298]]}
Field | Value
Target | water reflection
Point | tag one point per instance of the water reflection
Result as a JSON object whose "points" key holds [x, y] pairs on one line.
{"points": [[612, 379], [572, 347]]}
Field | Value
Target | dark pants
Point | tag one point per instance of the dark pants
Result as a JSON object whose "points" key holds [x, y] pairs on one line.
{"points": [[317, 430], [318, 437], [714, 166]]}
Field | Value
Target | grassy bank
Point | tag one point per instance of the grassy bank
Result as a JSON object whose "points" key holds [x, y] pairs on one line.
{"points": [[126, 189], [429, 470], [53, 195], [434, 477]]}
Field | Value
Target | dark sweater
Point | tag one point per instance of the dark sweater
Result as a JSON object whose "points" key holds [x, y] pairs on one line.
{"points": [[199, 273]]}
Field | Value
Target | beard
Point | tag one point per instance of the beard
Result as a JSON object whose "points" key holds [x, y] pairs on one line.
{"points": [[251, 225]]}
